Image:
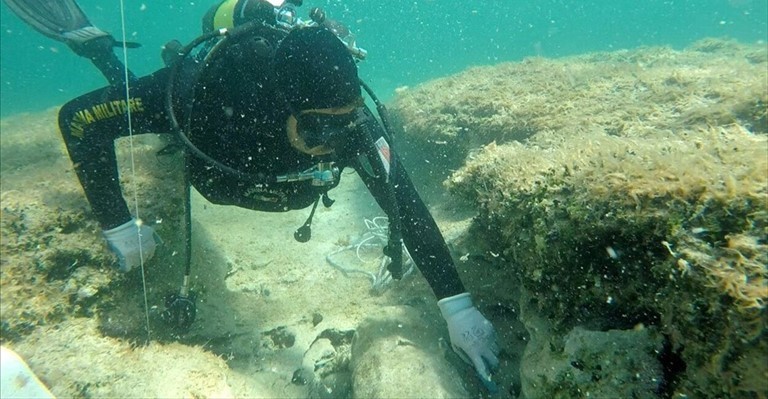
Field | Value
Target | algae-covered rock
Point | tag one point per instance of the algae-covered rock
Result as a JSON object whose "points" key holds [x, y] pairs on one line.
{"points": [[614, 363], [601, 364], [623, 188], [44, 278], [76, 362], [628, 93], [583, 363], [609, 232], [325, 366], [55, 263], [396, 355]]}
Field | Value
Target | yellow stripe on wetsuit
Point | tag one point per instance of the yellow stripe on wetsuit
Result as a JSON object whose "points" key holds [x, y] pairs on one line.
{"points": [[225, 15]]}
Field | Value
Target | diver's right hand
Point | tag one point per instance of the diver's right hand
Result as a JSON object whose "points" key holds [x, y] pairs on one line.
{"points": [[473, 337], [133, 243]]}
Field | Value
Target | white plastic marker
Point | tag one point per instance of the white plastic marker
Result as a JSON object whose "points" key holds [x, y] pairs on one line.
{"points": [[16, 378]]}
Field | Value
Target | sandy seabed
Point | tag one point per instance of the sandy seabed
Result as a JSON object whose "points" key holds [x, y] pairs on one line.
{"points": [[263, 298]]}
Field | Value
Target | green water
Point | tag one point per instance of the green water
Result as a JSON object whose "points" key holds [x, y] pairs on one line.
{"points": [[409, 41]]}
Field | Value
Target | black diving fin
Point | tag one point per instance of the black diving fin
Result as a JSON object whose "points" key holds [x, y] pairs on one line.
{"points": [[51, 18], [61, 20], [64, 21]]}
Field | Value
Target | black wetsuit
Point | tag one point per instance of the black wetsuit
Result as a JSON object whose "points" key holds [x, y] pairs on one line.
{"points": [[238, 119]]}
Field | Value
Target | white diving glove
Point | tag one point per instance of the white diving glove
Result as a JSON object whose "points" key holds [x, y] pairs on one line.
{"points": [[472, 336], [124, 241]]}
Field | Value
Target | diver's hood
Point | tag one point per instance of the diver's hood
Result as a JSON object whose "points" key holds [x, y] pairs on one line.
{"points": [[314, 69]]}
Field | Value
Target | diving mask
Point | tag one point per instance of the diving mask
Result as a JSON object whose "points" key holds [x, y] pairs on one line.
{"points": [[317, 128]]}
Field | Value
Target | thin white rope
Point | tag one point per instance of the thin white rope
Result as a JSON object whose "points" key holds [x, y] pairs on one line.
{"points": [[133, 166], [375, 236]]}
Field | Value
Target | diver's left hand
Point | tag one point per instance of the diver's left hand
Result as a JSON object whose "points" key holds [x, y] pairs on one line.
{"points": [[133, 242], [472, 336]]}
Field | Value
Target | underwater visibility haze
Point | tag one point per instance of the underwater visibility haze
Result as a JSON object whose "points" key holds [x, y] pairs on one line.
{"points": [[598, 169], [409, 41]]}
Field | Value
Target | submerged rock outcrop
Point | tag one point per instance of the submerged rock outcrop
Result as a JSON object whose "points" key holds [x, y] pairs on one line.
{"points": [[622, 190]]}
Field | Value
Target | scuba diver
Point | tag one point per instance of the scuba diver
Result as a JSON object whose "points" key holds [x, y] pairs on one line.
{"points": [[269, 110]]}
